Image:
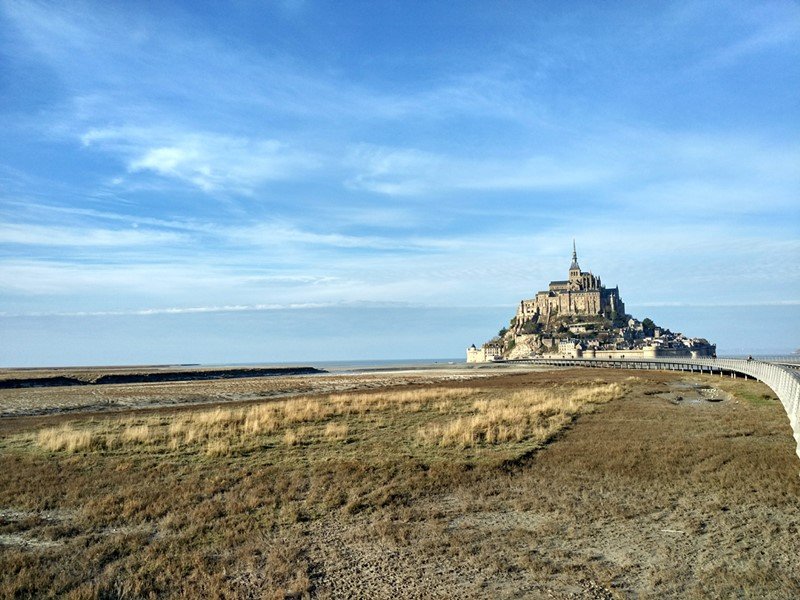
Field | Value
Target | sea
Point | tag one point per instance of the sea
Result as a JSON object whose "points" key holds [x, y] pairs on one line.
{"points": [[357, 366]]}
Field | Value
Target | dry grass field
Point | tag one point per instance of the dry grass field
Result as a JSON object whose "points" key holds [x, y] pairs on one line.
{"points": [[557, 484]]}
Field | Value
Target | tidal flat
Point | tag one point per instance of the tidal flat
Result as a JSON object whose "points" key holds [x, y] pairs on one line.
{"points": [[569, 483]]}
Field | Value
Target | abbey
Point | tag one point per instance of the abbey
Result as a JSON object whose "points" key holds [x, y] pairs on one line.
{"points": [[579, 317], [580, 294]]}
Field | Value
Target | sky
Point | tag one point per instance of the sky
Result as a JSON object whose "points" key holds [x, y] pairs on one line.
{"points": [[269, 181]]}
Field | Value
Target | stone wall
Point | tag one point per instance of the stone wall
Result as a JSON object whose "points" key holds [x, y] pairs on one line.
{"points": [[592, 302], [646, 352]]}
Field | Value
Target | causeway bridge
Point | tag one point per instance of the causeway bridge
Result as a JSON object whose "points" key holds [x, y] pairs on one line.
{"points": [[782, 375]]}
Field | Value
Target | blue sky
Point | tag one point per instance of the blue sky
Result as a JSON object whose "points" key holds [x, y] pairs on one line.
{"points": [[183, 179]]}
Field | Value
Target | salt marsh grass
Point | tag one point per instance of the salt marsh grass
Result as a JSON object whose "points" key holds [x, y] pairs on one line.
{"points": [[217, 431], [532, 414], [476, 418]]}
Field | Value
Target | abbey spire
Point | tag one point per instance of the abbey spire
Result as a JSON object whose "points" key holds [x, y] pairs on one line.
{"points": [[574, 266]]}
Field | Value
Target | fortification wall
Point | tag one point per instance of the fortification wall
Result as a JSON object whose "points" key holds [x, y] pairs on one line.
{"points": [[609, 354], [646, 352]]}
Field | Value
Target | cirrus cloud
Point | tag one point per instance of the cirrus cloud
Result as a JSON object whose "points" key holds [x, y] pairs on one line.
{"points": [[208, 161]]}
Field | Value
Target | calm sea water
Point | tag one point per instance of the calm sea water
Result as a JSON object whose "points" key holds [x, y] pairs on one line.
{"points": [[356, 366]]}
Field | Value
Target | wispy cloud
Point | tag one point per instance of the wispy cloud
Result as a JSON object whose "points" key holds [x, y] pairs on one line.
{"points": [[128, 278], [43, 235], [208, 161], [174, 310], [33, 212], [772, 26], [408, 172], [166, 236], [228, 81], [277, 233], [567, 153]]}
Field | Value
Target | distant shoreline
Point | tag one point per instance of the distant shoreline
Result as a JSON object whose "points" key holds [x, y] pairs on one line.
{"points": [[49, 377], [63, 377], [27, 377]]}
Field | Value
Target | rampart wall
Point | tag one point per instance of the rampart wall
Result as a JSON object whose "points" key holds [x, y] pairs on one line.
{"points": [[639, 353]]}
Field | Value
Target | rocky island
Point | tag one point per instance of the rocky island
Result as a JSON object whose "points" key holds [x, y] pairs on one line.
{"points": [[578, 317]]}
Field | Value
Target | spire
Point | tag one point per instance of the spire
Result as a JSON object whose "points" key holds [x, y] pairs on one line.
{"points": [[574, 264]]}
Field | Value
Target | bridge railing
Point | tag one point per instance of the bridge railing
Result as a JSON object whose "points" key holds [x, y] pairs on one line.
{"points": [[784, 380]]}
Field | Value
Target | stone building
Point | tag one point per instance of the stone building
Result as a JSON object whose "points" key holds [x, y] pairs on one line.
{"points": [[581, 293]]}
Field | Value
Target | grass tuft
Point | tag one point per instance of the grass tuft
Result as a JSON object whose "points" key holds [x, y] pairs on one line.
{"points": [[336, 431], [68, 439], [294, 437]]}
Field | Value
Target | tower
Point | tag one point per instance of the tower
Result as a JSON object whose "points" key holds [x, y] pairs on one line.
{"points": [[574, 269]]}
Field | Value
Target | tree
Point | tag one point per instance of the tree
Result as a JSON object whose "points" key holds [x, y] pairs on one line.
{"points": [[619, 320], [531, 327], [649, 327], [502, 332]]}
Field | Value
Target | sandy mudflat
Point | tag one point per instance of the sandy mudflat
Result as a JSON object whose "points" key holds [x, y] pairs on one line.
{"points": [[684, 486], [121, 396]]}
